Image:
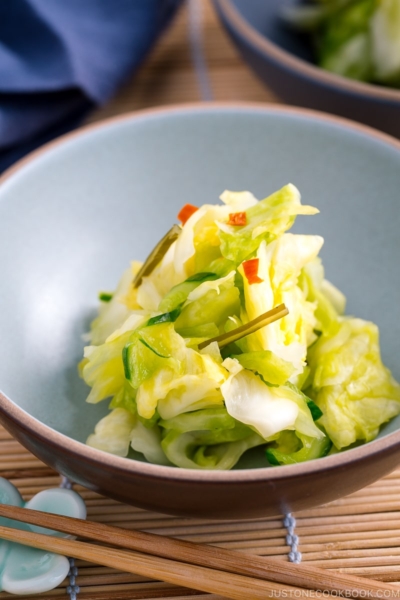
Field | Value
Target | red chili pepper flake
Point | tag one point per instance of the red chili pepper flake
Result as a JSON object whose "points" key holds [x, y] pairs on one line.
{"points": [[250, 268], [238, 218], [186, 212]]}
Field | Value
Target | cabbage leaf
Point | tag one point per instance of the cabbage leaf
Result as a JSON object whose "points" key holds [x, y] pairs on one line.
{"points": [[354, 390]]}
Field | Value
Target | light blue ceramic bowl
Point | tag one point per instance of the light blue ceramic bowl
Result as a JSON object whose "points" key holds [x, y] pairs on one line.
{"points": [[284, 60], [74, 214]]}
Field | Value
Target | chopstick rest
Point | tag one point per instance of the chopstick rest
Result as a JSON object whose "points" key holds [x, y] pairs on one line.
{"points": [[28, 570]]}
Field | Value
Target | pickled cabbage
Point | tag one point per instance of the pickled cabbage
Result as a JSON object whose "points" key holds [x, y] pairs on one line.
{"points": [[307, 384]]}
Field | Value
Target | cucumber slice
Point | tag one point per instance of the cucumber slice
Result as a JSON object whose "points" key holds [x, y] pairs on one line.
{"points": [[105, 296], [179, 293], [167, 317], [210, 308]]}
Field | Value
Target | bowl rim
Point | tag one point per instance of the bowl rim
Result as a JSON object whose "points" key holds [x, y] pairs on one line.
{"points": [[293, 63], [46, 435]]}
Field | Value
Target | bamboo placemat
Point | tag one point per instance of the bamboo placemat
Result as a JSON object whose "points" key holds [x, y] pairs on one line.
{"points": [[359, 534]]}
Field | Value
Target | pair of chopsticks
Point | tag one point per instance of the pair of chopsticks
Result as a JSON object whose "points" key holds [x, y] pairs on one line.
{"points": [[210, 569]]}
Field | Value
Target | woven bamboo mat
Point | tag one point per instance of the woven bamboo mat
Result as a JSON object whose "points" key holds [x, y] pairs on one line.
{"points": [[359, 534]]}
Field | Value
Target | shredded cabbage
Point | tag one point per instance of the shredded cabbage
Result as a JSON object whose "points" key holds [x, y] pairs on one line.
{"points": [[306, 385]]}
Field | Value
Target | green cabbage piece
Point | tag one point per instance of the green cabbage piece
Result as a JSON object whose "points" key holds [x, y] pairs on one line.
{"points": [[113, 433], [354, 390], [330, 302], [112, 313], [120, 430], [103, 368], [198, 243], [280, 266], [172, 395], [213, 308], [238, 201], [151, 349], [267, 410], [179, 293], [268, 219], [291, 448], [206, 439], [302, 381], [147, 441], [222, 266], [200, 420], [213, 425], [191, 451], [199, 333], [273, 369], [125, 398]]}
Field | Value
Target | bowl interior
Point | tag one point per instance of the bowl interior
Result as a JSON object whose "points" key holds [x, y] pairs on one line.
{"points": [[73, 217], [266, 19]]}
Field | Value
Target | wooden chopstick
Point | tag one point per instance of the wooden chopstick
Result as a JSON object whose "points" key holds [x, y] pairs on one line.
{"points": [[273, 570], [204, 579]]}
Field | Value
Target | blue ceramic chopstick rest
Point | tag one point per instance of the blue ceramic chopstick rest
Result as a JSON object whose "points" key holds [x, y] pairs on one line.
{"points": [[25, 570]]}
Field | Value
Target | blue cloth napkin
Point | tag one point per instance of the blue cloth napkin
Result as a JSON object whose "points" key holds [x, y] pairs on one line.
{"points": [[61, 58]]}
